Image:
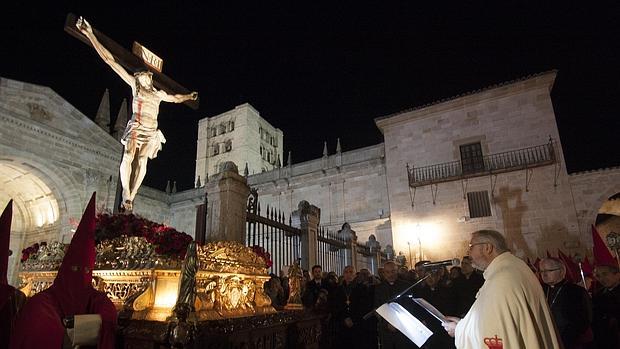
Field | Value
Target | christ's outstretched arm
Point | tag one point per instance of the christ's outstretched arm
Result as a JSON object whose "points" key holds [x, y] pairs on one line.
{"points": [[85, 28]]}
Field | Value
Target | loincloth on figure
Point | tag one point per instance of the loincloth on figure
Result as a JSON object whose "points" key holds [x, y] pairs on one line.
{"points": [[152, 138]]}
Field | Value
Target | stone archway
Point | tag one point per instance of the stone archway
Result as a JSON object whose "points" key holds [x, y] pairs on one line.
{"points": [[44, 198], [608, 217], [590, 191]]}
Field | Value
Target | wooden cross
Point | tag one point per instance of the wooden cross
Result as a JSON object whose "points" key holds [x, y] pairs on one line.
{"points": [[130, 61]]}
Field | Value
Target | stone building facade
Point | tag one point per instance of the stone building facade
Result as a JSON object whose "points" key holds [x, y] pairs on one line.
{"points": [[52, 157], [239, 135], [538, 207]]}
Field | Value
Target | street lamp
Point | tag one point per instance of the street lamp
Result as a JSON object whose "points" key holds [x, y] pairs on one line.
{"points": [[410, 260], [417, 236]]}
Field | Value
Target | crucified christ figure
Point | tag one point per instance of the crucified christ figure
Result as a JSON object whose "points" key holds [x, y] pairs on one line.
{"points": [[142, 139]]}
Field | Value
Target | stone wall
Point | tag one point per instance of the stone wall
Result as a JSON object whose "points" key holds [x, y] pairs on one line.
{"points": [[347, 187]]}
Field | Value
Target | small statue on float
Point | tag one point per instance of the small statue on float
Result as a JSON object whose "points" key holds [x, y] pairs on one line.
{"points": [[295, 282]]}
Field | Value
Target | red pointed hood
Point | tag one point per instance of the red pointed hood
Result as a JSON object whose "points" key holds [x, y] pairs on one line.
{"points": [[601, 253], [73, 283], [572, 268], [5, 236], [586, 266]]}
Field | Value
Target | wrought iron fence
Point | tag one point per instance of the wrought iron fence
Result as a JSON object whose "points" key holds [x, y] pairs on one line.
{"points": [[539, 155], [331, 250], [272, 233], [368, 258]]}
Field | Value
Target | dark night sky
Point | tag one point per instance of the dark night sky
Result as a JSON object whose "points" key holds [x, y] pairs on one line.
{"points": [[321, 71]]}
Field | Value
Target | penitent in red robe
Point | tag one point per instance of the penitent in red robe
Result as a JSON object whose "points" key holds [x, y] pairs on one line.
{"points": [[39, 324], [11, 299]]}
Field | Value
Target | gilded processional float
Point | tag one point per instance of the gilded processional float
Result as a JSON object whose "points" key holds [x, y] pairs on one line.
{"points": [[171, 291], [145, 284]]}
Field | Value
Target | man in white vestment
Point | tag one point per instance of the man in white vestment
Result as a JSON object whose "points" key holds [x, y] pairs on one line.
{"points": [[510, 310]]}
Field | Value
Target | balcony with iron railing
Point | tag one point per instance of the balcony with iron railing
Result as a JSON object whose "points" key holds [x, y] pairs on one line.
{"points": [[540, 155]]}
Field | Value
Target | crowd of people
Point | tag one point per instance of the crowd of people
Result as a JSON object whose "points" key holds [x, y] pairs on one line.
{"points": [[492, 298], [348, 298]]}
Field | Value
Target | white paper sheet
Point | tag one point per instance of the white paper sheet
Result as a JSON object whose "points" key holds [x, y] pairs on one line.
{"points": [[431, 309], [406, 323]]}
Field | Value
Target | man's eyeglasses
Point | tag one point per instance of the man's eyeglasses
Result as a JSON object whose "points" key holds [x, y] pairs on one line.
{"points": [[477, 243], [549, 270]]}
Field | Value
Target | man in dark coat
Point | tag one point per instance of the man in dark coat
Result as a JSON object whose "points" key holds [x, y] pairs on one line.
{"points": [[606, 307], [466, 287], [316, 291], [389, 287], [442, 297], [570, 304], [349, 302]]}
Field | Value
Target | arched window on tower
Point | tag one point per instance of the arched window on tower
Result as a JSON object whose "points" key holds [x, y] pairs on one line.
{"points": [[228, 145]]}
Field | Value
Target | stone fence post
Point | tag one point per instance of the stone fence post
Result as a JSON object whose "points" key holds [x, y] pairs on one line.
{"points": [[375, 250], [350, 238], [307, 218], [389, 252], [227, 206]]}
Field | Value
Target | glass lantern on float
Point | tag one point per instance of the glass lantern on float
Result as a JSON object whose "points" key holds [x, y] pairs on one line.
{"points": [[613, 241]]}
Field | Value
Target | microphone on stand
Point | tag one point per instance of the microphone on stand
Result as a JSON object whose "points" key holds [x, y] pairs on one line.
{"points": [[447, 263]]}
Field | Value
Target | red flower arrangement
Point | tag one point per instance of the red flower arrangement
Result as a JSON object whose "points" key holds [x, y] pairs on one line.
{"points": [[261, 252], [30, 250], [167, 240]]}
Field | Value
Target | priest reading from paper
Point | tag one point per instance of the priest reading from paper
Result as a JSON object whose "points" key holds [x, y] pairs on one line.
{"points": [[510, 310]]}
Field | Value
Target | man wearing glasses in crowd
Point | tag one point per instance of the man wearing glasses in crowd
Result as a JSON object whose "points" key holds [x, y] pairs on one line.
{"points": [[510, 309], [570, 304]]}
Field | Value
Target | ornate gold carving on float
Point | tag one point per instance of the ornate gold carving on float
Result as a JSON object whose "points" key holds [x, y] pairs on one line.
{"points": [[129, 253], [144, 285], [45, 257], [230, 257]]}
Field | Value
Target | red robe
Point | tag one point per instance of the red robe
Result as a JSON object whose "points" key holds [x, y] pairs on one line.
{"points": [[11, 300], [39, 324]]}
